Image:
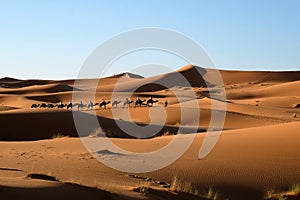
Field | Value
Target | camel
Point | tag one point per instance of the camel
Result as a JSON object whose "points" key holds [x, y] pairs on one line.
{"points": [[115, 104], [80, 105], [127, 103], [91, 105], [50, 105], [150, 102], [61, 106], [43, 105], [70, 105], [103, 104], [35, 105], [139, 102]]}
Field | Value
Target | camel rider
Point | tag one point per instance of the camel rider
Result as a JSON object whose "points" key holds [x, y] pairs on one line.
{"points": [[166, 103]]}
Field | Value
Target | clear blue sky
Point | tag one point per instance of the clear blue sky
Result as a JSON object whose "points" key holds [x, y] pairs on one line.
{"points": [[52, 38]]}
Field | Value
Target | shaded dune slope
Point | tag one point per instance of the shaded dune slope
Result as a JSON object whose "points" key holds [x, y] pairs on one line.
{"points": [[45, 125]]}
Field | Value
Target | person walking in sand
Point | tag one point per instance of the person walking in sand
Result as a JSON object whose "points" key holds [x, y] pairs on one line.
{"points": [[166, 103]]}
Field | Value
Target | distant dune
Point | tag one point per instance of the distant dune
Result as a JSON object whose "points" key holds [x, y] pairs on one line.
{"points": [[237, 77]]}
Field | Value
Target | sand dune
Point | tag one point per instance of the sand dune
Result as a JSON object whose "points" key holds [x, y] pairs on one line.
{"points": [[8, 80], [47, 88], [126, 75], [258, 147], [8, 83], [186, 77], [238, 77], [242, 164], [16, 188]]}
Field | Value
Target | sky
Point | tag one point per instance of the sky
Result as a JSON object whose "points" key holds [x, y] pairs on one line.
{"points": [[51, 39]]}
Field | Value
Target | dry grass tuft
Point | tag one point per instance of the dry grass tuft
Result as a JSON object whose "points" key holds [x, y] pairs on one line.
{"points": [[211, 194], [295, 189], [292, 193], [180, 186], [58, 135], [97, 133], [167, 133]]}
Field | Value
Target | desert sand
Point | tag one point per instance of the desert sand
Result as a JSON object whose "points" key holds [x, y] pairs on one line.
{"points": [[258, 150]]}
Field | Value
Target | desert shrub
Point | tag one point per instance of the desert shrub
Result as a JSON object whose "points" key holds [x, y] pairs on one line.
{"points": [[178, 185], [295, 189], [58, 135]]}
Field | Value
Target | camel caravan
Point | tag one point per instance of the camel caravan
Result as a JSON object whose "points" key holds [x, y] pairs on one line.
{"points": [[102, 105]]}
